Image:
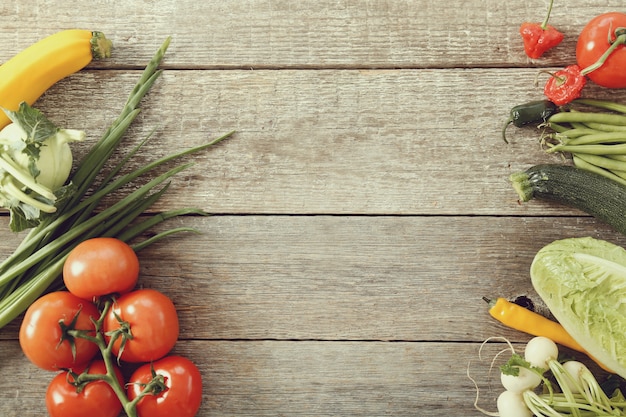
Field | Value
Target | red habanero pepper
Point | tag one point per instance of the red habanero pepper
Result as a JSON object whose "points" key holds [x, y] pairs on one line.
{"points": [[539, 37], [565, 85]]}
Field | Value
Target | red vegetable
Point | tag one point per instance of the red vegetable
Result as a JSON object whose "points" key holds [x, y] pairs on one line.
{"points": [[94, 399], [601, 50], [565, 85], [153, 322], [181, 394], [101, 266], [539, 37], [46, 343]]}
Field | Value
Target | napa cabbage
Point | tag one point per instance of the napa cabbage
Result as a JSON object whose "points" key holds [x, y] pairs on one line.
{"points": [[583, 283]]}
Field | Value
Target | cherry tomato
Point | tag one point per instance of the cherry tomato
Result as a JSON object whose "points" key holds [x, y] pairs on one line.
{"points": [[96, 399], [101, 266], [181, 397], [43, 340], [153, 323], [593, 42]]}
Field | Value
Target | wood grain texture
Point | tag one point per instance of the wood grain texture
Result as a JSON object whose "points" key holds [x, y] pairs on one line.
{"points": [[407, 142], [306, 34], [330, 278], [362, 209]]}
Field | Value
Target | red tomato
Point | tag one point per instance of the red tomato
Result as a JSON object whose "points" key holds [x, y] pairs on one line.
{"points": [[593, 43], [97, 398], [153, 323], [101, 266], [40, 333], [182, 395]]}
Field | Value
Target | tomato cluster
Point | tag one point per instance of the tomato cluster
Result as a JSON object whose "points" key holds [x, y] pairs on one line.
{"points": [[102, 328]]}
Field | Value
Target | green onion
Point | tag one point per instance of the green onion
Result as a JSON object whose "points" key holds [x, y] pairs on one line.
{"points": [[37, 263]]}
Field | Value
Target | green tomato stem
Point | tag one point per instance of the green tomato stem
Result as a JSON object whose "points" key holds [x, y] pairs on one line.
{"points": [[157, 384], [620, 40], [106, 350]]}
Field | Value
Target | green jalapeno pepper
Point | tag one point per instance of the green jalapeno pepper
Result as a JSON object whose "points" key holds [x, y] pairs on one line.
{"points": [[531, 112]]}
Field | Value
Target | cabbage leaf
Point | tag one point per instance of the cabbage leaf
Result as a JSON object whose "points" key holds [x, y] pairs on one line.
{"points": [[583, 283]]}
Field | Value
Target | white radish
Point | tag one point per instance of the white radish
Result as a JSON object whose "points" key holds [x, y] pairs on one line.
{"points": [[539, 351], [511, 404], [575, 370], [524, 381]]}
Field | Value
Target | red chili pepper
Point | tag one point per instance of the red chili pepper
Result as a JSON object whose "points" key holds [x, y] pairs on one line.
{"points": [[539, 37], [538, 40], [565, 85]]}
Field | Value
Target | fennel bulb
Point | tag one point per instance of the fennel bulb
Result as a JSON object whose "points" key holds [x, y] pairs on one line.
{"points": [[35, 163]]}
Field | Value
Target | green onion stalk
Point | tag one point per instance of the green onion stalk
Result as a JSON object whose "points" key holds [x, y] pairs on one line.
{"points": [[36, 264]]}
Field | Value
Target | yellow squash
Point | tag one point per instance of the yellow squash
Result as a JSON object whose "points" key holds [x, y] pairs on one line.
{"points": [[27, 75]]}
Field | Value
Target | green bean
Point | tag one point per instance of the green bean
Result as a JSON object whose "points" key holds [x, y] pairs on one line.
{"points": [[602, 161], [621, 174], [599, 137], [594, 149], [602, 104], [557, 127], [606, 127], [578, 125], [577, 132], [584, 117], [617, 157], [582, 164]]}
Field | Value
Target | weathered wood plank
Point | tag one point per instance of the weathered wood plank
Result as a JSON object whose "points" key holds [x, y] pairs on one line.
{"points": [[348, 278], [364, 204], [305, 34], [342, 142], [274, 378]]}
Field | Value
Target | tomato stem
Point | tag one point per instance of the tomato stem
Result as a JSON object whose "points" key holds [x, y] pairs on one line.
{"points": [[155, 386], [619, 40], [106, 349]]}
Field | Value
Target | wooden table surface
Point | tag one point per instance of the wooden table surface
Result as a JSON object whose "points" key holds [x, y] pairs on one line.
{"points": [[361, 210]]}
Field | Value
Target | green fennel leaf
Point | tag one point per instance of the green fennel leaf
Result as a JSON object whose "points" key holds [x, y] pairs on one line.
{"points": [[20, 220], [37, 126]]}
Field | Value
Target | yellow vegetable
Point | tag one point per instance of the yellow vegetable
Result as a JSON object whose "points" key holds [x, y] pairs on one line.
{"points": [[27, 75], [524, 320]]}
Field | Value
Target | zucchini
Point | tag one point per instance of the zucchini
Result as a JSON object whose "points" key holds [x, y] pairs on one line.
{"points": [[587, 191]]}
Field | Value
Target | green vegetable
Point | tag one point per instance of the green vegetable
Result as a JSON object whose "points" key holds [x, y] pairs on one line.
{"points": [[35, 163], [591, 138], [587, 191], [556, 390], [36, 265], [532, 112], [583, 283], [575, 187]]}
